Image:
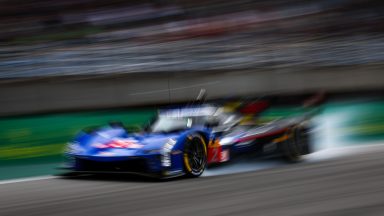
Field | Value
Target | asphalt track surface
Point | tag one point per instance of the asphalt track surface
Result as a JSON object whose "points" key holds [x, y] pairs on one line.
{"points": [[351, 184]]}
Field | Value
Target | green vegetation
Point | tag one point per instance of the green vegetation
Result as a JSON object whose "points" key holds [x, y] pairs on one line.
{"points": [[43, 137]]}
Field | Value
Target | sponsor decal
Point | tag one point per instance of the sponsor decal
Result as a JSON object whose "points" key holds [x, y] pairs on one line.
{"points": [[216, 153], [176, 152], [224, 156], [173, 172], [106, 154], [119, 143]]}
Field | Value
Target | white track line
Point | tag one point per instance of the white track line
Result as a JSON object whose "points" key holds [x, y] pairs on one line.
{"points": [[38, 178]]}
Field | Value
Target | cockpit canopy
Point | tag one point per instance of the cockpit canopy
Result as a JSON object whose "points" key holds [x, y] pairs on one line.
{"points": [[173, 120]]}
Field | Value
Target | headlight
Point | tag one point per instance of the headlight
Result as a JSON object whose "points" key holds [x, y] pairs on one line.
{"points": [[166, 153], [74, 148]]}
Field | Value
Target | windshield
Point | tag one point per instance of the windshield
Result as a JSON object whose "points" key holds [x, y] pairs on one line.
{"points": [[170, 124]]}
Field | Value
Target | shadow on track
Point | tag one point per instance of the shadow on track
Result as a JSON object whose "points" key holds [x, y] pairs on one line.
{"points": [[238, 165]]}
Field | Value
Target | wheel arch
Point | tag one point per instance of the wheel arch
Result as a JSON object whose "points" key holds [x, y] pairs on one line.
{"points": [[204, 136]]}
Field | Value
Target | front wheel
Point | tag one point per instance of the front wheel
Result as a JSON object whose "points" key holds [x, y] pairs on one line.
{"points": [[195, 156]]}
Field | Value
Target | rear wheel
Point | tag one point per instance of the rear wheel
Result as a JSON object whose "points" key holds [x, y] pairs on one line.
{"points": [[294, 146], [305, 140], [195, 156]]}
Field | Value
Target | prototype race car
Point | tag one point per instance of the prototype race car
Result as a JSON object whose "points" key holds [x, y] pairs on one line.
{"points": [[184, 141]]}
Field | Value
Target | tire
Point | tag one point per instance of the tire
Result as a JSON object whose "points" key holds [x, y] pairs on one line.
{"points": [[195, 156], [294, 147], [305, 139]]}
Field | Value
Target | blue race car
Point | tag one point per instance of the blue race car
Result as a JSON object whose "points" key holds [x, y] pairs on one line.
{"points": [[184, 141]]}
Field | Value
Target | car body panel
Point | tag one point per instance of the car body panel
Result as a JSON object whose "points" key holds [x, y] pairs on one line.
{"points": [[112, 149]]}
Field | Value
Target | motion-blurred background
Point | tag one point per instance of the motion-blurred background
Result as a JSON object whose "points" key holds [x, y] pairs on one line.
{"points": [[69, 64]]}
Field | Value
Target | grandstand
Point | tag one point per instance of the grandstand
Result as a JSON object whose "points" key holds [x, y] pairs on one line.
{"points": [[80, 54], [92, 38]]}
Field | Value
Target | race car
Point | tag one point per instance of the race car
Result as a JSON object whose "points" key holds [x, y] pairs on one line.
{"points": [[184, 141]]}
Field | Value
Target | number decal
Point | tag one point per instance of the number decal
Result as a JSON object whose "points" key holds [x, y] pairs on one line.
{"points": [[215, 152]]}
